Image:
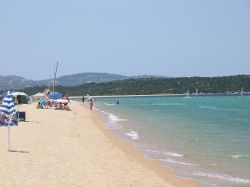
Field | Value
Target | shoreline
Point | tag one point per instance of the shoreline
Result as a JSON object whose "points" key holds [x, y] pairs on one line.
{"points": [[73, 148], [136, 121], [166, 173]]}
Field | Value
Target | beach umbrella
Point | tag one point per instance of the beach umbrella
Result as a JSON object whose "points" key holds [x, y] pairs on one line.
{"points": [[19, 93], [20, 97], [55, 95], [39, 95], [42, 101], [8, 114]]}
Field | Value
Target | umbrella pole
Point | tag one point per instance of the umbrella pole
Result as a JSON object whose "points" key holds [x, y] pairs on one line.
{"points": [[17, 112], [8, 138]]}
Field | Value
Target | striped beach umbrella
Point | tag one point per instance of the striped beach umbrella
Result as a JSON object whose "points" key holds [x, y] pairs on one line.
{"points": [[8, 114]]}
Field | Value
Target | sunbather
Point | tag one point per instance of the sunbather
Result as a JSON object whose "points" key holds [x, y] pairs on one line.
{"points": [[66, 107]]}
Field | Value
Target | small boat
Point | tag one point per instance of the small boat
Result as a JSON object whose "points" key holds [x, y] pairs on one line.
{"points": [[188, 95], [242, 91], [196, 93]]}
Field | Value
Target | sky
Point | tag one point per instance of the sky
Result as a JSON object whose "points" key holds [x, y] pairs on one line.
{"points": [[129, 37]]}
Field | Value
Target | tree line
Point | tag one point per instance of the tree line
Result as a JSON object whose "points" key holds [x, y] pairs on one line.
{"points": [[146, 86]]}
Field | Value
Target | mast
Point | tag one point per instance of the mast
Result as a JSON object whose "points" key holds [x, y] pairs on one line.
{"points": [[55, 76], [49, 82]]}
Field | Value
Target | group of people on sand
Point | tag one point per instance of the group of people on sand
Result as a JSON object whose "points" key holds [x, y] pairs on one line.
{"points": [[63, 106], [50, 104], [45, 103]]}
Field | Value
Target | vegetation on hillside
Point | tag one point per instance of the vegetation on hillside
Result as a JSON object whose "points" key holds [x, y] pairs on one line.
{"points": [[156, 86]]}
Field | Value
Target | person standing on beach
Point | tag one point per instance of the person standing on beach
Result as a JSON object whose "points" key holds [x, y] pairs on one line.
{"points": [[83, 99], [91, 103]]}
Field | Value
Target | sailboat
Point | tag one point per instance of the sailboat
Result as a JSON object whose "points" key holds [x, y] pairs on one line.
{"points": [[55, 72], [188, 95], [242, 91], [196, 92]]}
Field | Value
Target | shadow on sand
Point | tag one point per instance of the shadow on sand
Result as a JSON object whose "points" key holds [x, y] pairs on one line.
{"points": [[30, 121], [15, 151]]}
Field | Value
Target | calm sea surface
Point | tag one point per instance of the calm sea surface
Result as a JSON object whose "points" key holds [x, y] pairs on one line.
{"points": [[204, 138]]}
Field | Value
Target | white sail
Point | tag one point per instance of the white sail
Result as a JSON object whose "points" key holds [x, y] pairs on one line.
{"points": [[188, 95], [242, 91]]}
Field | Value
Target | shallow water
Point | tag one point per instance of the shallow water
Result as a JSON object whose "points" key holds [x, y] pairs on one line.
{"points": [[205, 138]]}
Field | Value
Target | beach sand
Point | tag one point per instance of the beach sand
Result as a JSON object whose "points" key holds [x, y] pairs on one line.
{"points": [[73, 148]]}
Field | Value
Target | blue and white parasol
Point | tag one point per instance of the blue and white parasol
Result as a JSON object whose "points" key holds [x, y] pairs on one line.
{"points": [[8, 114]]}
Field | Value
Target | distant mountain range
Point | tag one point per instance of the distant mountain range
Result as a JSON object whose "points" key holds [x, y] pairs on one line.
{"points": [[13, 82]]}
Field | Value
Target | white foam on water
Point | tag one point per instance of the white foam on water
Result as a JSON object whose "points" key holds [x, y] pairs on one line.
{"points": [[110, 104], [176, 162], [225, 178], [133, 135], [114, 118], [173, 154], [152, 151], [238, 156]]}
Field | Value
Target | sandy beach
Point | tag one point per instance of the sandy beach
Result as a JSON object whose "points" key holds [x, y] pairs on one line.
{"points": [[73, 148]]}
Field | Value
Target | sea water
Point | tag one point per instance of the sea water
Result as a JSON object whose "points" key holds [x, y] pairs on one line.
{"points": [[203, 138]]}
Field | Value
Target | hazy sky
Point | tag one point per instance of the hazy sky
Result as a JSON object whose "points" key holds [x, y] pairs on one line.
{"points": [[129, 37]]}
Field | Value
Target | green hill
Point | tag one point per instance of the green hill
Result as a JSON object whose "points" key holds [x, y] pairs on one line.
{"points": [[145, 86]]}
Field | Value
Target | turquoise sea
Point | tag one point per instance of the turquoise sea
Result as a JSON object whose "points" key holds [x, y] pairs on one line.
{"points": [[203, 138]]}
